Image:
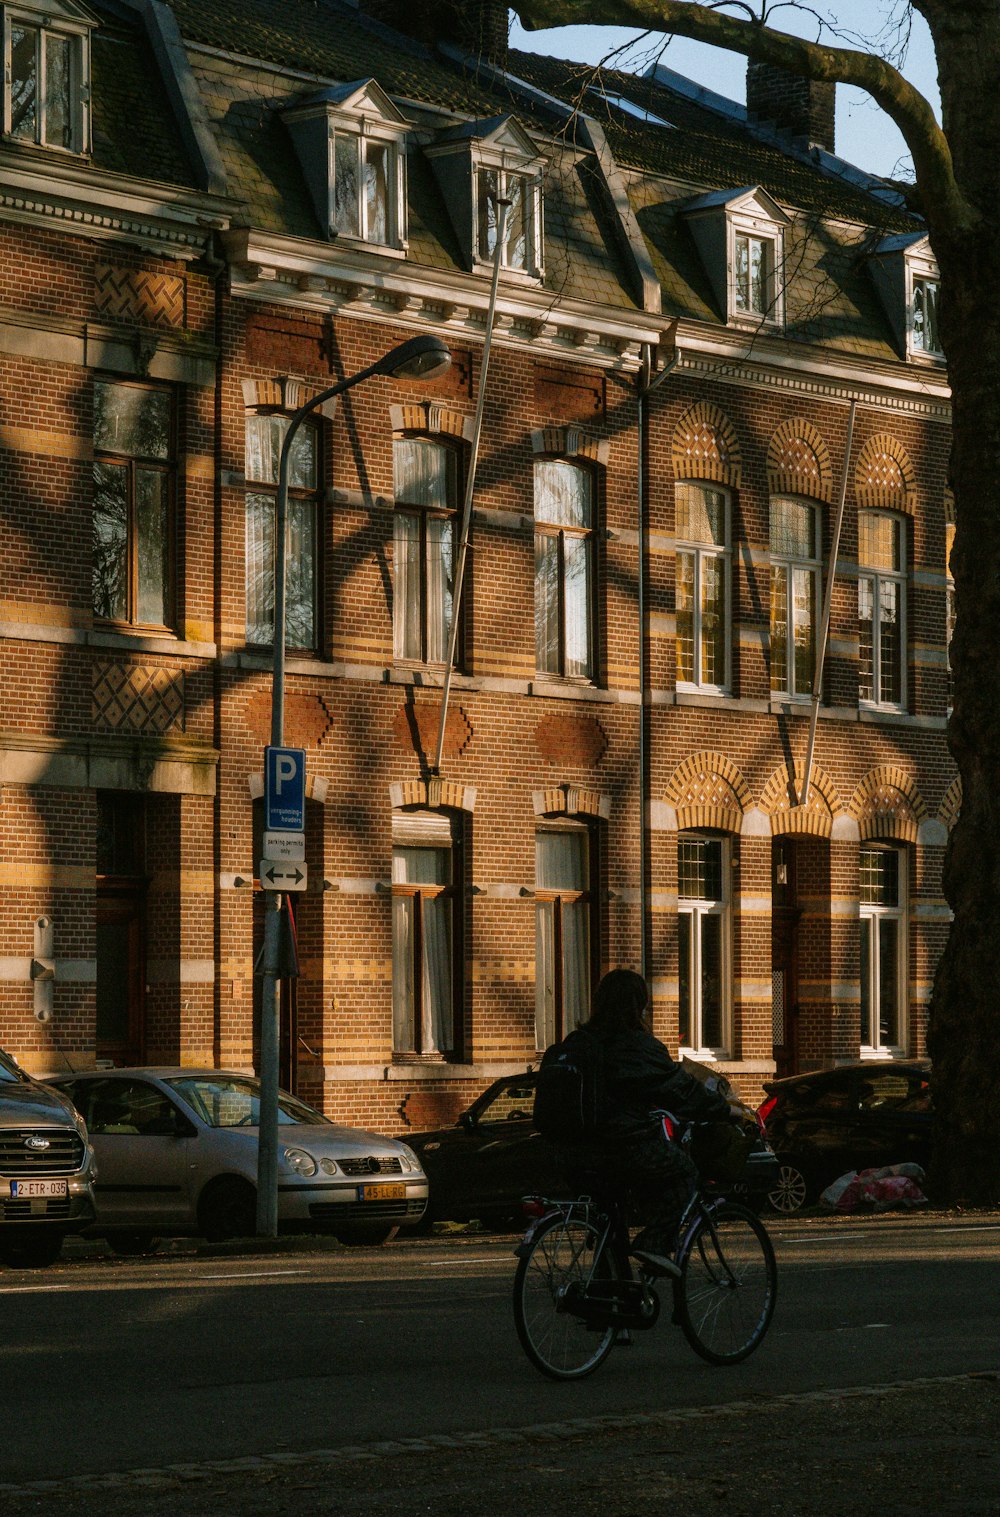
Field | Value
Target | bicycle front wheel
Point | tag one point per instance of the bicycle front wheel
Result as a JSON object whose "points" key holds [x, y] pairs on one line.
{"points": [[563, 1258], [729, 1280]]}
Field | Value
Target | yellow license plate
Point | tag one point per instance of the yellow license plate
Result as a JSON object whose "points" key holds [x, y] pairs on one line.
{"points": [[381, 1192]]}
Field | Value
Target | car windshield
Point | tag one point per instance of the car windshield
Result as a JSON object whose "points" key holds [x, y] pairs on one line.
{"points": [[9, 1072], [230, 1101]]}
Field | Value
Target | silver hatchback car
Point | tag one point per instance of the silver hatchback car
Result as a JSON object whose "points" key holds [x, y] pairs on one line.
{"points": [[177, 1155]]}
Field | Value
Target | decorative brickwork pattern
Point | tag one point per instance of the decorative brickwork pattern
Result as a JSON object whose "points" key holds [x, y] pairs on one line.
{"points": [[436, 793], [415, 729], [888, 805], [570, 800], [707, 790], [137, 698], [425, 416], [284, 394], [307, 718], [884, 477], [155, 300], [571, 740], [952, 803], [570, 442], [798, 461], [780, 801], [705, 446]]}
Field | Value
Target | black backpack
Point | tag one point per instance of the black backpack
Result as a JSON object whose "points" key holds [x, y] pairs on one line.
{"points": [[569, 1092]]}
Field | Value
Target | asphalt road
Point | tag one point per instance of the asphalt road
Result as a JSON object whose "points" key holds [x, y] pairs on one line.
{"points": [[109, 1367]]}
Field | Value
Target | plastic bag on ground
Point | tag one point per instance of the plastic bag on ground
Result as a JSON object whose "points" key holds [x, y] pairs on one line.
{"points": [[874, 1190]]}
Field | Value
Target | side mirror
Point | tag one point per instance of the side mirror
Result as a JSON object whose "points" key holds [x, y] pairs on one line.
{"points": [[467, 1120]]}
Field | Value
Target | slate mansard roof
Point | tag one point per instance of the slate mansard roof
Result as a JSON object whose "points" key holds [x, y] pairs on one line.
{"points": [[249, 60]]}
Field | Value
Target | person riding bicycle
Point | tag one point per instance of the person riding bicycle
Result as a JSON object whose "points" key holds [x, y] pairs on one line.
{"points": [[640, 1077]]}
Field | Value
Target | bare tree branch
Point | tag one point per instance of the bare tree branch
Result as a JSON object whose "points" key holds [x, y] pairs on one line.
{"points": [[942, 199]]}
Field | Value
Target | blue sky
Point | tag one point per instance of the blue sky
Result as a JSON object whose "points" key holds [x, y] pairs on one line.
{"points": [[865, 136]]}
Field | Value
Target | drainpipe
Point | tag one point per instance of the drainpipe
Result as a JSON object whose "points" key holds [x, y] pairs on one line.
{"points": [[824, 631]]}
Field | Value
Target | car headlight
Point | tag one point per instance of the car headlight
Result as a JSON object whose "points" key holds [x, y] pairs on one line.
{"points": [[328, 1166], [299, 1162], [408, 1159]]}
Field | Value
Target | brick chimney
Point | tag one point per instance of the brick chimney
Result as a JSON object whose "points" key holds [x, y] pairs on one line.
{"points": [[479, 25], [804, 107]]}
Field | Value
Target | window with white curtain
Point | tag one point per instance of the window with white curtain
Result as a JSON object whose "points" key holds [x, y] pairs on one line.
{"points": [[702, 593], [882, 892], [881, 608], [264, 436], [564, 569], [703, 932], [564, 932], [425, 897], [425, 476], [795, 582]]}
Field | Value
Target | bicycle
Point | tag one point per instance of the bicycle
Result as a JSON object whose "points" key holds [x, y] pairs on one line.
{"points": [[576, 1290]]}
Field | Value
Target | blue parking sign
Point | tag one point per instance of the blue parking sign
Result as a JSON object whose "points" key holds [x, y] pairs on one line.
{"points": [[284, 789]]}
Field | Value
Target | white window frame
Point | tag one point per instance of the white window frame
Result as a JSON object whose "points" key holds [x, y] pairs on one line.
{"points": [[877, 579], [756, 228], [422, 514], [920, 270], [789, 563], [304, 500], [500, 164], [701, 551], [873, 914], [364, 132], [77, 32], [691, 914], [949, 604], [436, 832], [561, 532], [553, 899]]}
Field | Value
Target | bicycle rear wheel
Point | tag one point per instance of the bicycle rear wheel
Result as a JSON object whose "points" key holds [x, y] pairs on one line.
{"points": [[561, 1259], [726, 1292]]}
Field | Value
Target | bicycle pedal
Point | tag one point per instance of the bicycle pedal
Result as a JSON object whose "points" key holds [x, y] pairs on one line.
{"points": [[624, 1339]]}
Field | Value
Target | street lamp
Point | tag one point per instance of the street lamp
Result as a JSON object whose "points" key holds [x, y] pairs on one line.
{"points": [[422, 357]]}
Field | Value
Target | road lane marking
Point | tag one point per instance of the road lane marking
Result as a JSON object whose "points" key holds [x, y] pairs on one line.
{"points": [[255, 1274]]}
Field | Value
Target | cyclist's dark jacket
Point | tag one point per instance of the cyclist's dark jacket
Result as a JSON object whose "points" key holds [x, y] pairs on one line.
{"points": [[640, 1076]]}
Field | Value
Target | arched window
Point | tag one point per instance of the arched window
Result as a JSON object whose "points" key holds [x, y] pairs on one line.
{"points": [[795, 584], [881, 608], [702, 585], [882, 892], [703, 943], [565, 930]]}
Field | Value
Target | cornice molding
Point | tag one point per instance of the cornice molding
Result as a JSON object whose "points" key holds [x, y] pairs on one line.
{"points": [[291, 271], [79, 198]]}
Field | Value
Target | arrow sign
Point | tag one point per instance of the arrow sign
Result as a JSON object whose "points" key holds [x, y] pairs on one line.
{"points": [[277, 875]]}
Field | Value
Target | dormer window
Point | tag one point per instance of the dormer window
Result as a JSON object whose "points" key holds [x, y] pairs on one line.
{"points": [[906, 276], [351, 144], [926, 336], [483, 167], [740, 237], [47, 77]]}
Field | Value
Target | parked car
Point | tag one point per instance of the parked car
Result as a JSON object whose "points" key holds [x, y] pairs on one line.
{"points": [[177, 1155], [492, 1156], [46, 1168], [859, 1116]]}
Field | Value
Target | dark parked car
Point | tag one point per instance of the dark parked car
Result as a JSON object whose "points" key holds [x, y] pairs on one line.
{"points": [[492, 1156], [860, 1116], [46, 1168]]}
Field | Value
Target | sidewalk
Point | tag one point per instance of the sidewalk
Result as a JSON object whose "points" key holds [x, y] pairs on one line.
{"points": [[926, 1447]]}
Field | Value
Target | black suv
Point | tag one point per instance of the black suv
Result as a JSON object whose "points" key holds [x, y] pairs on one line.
{"points": [[859, 1116]]}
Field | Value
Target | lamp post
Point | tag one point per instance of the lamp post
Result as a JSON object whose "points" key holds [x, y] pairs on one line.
{"points": [[422, 357]]}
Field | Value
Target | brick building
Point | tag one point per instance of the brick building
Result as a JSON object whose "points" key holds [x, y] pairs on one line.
{"points": [[709, 333]]}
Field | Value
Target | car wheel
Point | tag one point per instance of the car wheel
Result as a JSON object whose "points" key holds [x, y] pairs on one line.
{"points": [[32, 1253], [372, 1234], [228, 1209], [133, 1245], [791, 1190]]}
